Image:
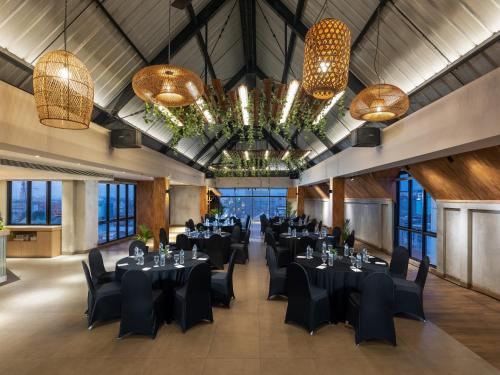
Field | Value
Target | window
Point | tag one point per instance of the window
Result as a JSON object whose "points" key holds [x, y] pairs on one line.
{"points": [[116, 212], [34, 202], [416, 223], [240, 202]]}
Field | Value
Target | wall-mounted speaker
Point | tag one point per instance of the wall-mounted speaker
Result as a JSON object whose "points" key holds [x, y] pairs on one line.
{"points": [[365, 137], [125, 138]]}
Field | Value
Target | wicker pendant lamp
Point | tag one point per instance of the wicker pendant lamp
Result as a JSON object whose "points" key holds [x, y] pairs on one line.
{"points": [[63, 89], [326, 58], [167, 85], [379, 102]]}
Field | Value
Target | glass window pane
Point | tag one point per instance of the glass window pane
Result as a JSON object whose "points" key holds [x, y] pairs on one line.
{"points": [[102, 231], [102, 202], [403, 238], [403, 203], [113, 201], [228, 204], [417, 205], [131, 201], [39, 202], [122, 229], [113, 235], [277, 206], [260, 192], [416, 246], [131, 227], [55, 202], [19, 202], [431, 214], [260, 206], [122, 204], [226, 192], [430, 249], [278, 192], [243, 192]]}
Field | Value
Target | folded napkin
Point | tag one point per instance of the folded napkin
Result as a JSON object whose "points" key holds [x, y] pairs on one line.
{"points": [[370, 257], [155, 266], [146, 268], [321, 267], [380, 263], [301, 256], [122, 264], [131, 256], [179, 266], [355, 269], [202, 258]]}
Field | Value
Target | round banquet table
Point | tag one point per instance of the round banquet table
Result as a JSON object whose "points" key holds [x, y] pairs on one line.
{"points": [[339, 280], [291, 241], [169, 272], [198, 239]]}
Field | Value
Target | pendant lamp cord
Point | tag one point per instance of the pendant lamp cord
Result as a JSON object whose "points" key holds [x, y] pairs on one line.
{"points": [[65, 21], [375, 61], [169, 37]]}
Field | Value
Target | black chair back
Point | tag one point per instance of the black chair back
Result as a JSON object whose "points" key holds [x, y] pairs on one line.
{"points": [[350, 240], [182, 242], [311, 226], [247, 222], [88, 278], [247, 237], [336, 232], [139, 244], [302, 244], [423, 270], [191, 224], [96, 263], [271, 260], [320, 225], [284, 227], [200, 227], [137, 301], [163, 236], [198, 283], [236, 234], [215, 250], [298, 286], [230, 270], [399, 262], [269, 238]]}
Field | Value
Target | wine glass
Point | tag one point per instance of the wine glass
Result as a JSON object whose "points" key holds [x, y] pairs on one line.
{"points": [[324, 258], [353, 260], [156, 259], [176, 259]]}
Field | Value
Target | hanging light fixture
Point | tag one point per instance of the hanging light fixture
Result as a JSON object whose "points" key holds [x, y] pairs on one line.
{"points": [[243, 94], [293, 88], [329, 105], [63, 88], [326, 58], [379, 102], [167, 85]]}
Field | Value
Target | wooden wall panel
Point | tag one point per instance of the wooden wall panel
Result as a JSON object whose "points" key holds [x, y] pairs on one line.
{"points": [[153, 205], [338, 187], [203, 202], [300, 200], [373, 185], [318, 191], [469, 176]]}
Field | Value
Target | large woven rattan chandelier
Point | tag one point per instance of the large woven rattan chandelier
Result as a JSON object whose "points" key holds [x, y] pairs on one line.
{"points": [[379, 102], [326, 58], [167, 85], [63, 89]]}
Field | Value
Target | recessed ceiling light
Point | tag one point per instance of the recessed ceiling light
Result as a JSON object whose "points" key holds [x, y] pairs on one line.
{"points": [[293, 88], [328, 107], [37, 156]]}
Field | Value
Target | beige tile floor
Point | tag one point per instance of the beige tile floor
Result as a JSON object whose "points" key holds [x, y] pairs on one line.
{"points": [[43, 331]]}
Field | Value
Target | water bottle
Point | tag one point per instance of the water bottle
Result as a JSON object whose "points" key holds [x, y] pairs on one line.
{"points": [[161, 248], [331, 259], [162, 259], [195, 250], [359, 262], [181, 256], [346, 250], [289, 231], [323, 247], [136, 252]]}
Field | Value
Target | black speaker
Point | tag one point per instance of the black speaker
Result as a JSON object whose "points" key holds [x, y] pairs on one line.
{"points": [[365, 137], [125, 138]]}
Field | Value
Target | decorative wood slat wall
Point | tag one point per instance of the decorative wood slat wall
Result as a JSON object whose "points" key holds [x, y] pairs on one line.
{"points": [[373, 185], [153, 206]]}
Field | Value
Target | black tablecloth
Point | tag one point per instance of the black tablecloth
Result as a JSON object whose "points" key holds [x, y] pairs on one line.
{"points": [[339, 280], [291, 242]]}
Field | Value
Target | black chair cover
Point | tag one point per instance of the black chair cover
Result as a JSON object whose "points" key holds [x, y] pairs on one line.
{"points": [[263, 223], [277, 276], [283, 227], [241, 249], [371, 312], [222, 284], [190, 224], [408, 295], [215, 250], [236, 234], [182, 242], [302, 244], [97, 270], [350, 240], [143, 310], [336, 232], [103, 300], [192, 301], [308, 306], [139, 244], [320, 225], [282, 253], [200, 227], [163, 237], [399, 262], [311, 226]]}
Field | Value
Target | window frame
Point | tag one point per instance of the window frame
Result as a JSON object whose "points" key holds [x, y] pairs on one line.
{"points": [[48, 203], [233, 195], [116, 221], [406, 176]]}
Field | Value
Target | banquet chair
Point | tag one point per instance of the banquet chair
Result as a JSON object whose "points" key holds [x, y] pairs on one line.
{"points": [[182, 242], [241, 249], [408, 295], [311, 226], [139, 244], [143, 309], [277, 276], [302, 244], [263, 224], [319, 244], [350, 240], [399, 262], [282, 253], [320, 225], [97, 270], [283, 227], [308, 305], [192, 301], [336, 232], [103, 300], [236, 234], [215, 250], [306, 218], [371, 311], [163, 237], [222, 284], [200, 227]]}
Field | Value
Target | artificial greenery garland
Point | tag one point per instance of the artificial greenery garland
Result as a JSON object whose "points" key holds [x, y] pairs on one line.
{"points": [[229, 121]]}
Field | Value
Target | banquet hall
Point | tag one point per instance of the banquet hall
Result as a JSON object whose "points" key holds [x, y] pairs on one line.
{"points": [[250, 186]]}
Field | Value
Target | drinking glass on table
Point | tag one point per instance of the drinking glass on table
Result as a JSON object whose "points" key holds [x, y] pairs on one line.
{"points": [[176, 259], [324, 258], [353, 260], [136, 252], [156, 259]]}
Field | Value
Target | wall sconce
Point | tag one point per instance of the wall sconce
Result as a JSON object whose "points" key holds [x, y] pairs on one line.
{"points": [[330, 191]]}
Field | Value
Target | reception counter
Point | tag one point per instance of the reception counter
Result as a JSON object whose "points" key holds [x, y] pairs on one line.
{"points": [[4, 233], [34, 241]]}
